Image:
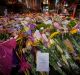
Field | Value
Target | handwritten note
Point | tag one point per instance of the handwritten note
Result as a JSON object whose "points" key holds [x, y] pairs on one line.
{"points": [[42, 62]]}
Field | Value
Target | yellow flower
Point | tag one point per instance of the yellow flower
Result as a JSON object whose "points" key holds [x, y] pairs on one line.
{"points": [[52, 41], [25, 29], [73, 31], [36, 42], [29, 43], [54, 34]]}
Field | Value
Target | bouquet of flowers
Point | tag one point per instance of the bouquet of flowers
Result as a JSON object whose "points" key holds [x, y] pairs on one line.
{"points": [[63, 45]]}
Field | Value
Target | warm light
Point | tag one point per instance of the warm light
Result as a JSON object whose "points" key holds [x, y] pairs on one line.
{"points": [[20, 1], [66, 4], [45, 1], [11, 1]]}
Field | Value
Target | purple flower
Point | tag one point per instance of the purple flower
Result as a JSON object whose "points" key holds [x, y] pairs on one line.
{"points": [[31, 38], [1, 27], [32, 26], [29, 32], [77, 26]]}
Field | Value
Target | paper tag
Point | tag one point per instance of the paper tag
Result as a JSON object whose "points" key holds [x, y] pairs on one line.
{"points": [[42, 62]]}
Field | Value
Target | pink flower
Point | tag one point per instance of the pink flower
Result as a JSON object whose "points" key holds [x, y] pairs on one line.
{"points": [[77, 26], [57, 25], [24, 65]]}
